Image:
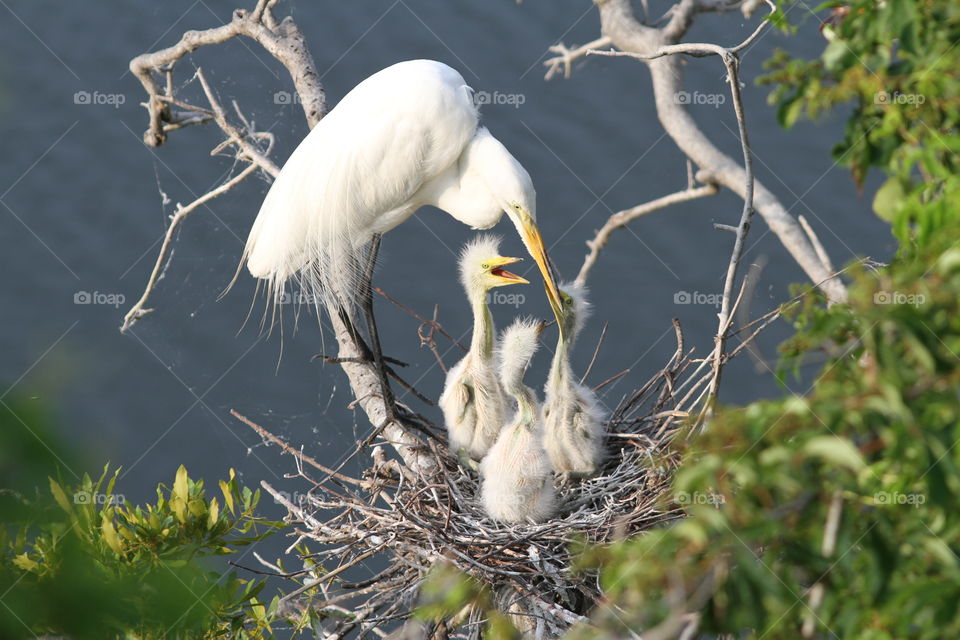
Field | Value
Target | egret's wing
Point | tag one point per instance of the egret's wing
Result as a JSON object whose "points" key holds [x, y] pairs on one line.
{"points": [[364, 161], [462, 400]]}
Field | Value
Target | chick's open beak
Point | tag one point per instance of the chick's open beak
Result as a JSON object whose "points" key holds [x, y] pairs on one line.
{"points": [[497, 270], [534, 242]]}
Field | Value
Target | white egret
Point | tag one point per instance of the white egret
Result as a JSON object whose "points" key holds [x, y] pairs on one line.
{"points": [[517, 477], [406, 137], [473, 403], [572, 414]]}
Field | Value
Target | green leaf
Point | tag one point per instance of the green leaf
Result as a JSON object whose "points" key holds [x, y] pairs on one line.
{"points": [[889, 199], [24, 562], [179, 509], [180, 485], [60, 496], [227, 496], [834, 450], [214, 514], [110, 535], [836, 55]]}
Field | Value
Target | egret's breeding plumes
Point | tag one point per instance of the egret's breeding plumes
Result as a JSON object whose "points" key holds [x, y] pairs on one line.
{"points": [[517, 477], [572, 414], [405, 137], [473, 403]]}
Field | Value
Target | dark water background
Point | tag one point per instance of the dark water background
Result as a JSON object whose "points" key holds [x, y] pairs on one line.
{"points": [[84, 211]]}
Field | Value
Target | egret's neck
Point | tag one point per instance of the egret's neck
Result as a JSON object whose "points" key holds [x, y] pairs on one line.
{"points": [[526, 403], [561, 357], [482, 341], [560, 367]]}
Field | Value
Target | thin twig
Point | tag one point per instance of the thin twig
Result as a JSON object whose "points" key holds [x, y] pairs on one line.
{"points": [[266, 435], [138, 310], [622, 218]]}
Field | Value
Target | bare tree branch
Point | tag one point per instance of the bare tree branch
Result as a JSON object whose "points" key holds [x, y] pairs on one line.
{"points": [[731, 62], [283, 41], [655, 46], [622, 218], [566, 57], [246, 151], [138, 310]]}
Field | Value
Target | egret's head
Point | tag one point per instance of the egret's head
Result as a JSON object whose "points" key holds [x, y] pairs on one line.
{"points": [[518, 343], [482, 266], [575, 309], [511, 185]]}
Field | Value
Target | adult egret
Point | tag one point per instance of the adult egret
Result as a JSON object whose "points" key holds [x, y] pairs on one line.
{"points": [[473, 403], [572, 414], [517, 478], [405, 137]]}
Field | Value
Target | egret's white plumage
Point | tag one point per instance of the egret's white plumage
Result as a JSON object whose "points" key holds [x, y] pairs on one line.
{"points": [[573, 416], [473, 403], [517, 477], [405, 137]]}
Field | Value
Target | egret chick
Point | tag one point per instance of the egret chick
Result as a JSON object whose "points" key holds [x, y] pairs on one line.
{"points": [[572, 414], [517, 477], [473, 403]]}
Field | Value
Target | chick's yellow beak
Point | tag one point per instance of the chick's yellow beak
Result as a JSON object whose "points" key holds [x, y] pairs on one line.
{"points": [[504, 276]]}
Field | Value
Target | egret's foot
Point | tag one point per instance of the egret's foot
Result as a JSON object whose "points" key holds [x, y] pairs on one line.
{"points": [[466, 461], [573, 477]]}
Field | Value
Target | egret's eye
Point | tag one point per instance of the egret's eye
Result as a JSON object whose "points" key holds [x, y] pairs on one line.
{"points": [[516, 206], [485, 266]]}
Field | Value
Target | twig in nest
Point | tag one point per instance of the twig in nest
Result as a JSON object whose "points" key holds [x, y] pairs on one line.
{"points": [[419, 522]]}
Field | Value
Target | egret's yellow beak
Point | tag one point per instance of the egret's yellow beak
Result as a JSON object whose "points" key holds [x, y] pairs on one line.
{"points": [[534, 242], [504, 276]]}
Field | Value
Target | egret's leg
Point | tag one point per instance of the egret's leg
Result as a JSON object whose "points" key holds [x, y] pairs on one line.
{"points": [[367, 303]]}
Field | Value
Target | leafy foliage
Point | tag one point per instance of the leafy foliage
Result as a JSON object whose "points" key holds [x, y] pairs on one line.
{"points": [[876, 433], [833, 513], [83, 563], [897, 64], [449, 596]]}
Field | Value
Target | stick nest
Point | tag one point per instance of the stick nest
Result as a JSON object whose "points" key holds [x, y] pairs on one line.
{"points": [[404, 524]]}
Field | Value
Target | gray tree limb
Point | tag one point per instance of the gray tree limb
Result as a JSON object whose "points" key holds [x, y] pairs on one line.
{"points": [[628, 34], [284, 41]]}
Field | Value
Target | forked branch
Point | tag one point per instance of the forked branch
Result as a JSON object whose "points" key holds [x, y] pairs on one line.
{"points": [[656, 46], [282, 40]]}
